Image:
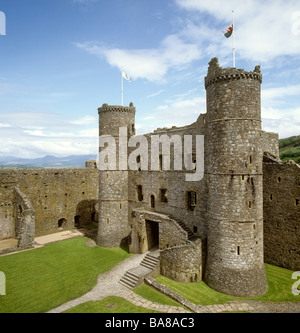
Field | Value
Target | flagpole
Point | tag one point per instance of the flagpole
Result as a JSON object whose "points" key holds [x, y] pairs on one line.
{"points": [[122, 85], [233, 40]]}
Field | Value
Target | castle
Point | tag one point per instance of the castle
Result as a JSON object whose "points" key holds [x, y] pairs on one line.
{"points": [[220, 227]]}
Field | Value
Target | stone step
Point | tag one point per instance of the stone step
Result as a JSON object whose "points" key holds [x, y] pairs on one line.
{"points": [[150, 261], [129, 280], [185, 228]]}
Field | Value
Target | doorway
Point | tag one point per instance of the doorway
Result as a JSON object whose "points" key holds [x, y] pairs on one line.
{"points": [[152, 230]]}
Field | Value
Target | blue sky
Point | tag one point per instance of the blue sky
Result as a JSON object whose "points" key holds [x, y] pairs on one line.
{"points": [[60, 60]]}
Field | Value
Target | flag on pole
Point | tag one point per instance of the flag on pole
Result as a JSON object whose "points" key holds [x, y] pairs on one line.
{"points": [[228, 31], [2, 24], [125, 76]]}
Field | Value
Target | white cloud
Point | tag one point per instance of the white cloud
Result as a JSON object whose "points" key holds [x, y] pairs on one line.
{"points": [[263, 28], [150, 64], [271, 94], [35, 134], [86, 120]]}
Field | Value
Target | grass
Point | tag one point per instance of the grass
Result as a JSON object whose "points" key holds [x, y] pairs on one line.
{"points": [[41, 279], [279, 281], [154, 296], [111, 304]]}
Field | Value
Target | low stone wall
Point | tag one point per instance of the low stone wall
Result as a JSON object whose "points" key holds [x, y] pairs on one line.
{"points": [[183, 263], [171, 293]]}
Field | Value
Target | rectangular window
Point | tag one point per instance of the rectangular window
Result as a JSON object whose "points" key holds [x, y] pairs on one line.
{"points": [[160, 162], [140, 192], [238, 250], [192, 200], [163, 195]]}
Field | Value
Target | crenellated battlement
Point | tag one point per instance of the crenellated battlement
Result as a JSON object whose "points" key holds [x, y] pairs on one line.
{"points": [[217, 74], [117, 108]]}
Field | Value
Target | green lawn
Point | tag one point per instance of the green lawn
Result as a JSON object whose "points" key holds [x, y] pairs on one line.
{"points": [[155, 296], [42, 279], [111, 304], [279, 281]]}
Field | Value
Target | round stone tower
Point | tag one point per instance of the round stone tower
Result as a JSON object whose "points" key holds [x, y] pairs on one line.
{"points": [[116, 125], [234, 264]]}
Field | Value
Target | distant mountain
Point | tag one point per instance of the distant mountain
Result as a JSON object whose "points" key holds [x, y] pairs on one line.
{"points": [[289, 149], [48, 161]]}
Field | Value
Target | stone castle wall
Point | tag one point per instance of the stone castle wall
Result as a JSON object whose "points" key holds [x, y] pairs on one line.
{"points": [[60, 198], [282, 214]]}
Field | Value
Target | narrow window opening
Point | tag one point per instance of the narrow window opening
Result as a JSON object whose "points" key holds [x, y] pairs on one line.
{"points": [[120, 206], [271, 197], [160, 162], [297, 202], [238, 250], [77, 221], [250, 159], [250, 204], [279, 179], [163, 195], [138, 162], [140, 192], [192, 200], [152, 201], [195, 229], [94, 217]]}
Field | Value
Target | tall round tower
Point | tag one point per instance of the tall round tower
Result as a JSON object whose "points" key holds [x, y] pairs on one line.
{"points": [[117, 122], [234, 264]]}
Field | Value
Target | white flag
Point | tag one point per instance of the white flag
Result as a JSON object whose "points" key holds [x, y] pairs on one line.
{"points": [[2, 24], [125, 76]]}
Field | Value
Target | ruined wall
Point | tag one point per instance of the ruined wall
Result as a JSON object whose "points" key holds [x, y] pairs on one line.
{"points": [[282, 214], [7, 216], [59, 198], [270, 143], [25, 220]]}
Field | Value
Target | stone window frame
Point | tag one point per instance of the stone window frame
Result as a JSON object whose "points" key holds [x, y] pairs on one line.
{"points": [[163, 195], [191, 200]]}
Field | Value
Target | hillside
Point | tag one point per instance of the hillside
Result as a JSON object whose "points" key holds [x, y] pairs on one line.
{"points": [[72, 161], [289, 149]]}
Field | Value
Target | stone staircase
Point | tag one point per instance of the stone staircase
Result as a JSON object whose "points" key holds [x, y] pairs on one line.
{"points": [[130, 280], [135, 276], [191, 235], [150, 261]]}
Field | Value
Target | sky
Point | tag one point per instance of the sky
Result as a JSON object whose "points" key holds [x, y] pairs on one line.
{"points": [[61, 59]]}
